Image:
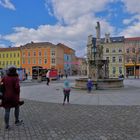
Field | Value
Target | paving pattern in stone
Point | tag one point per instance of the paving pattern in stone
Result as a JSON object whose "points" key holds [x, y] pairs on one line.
{"points": [[51, 121]]}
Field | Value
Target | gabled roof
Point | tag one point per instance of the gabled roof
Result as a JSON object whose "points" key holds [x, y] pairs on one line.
{"points": [[36, 44], [114, 39]]}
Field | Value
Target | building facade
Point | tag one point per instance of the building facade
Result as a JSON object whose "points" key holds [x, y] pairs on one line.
{"points": [[44, 54], [132, 57], [69, 59], [113, 50], [10, 57]]}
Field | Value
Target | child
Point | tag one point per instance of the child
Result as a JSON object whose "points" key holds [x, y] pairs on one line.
{"points": [[66, 91], [89, 85]]}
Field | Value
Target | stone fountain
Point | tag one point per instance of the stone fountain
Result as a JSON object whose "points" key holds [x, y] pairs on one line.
{"points": [[97, 67]]}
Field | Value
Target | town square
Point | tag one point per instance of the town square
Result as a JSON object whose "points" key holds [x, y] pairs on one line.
{"points": [[70, 70]]}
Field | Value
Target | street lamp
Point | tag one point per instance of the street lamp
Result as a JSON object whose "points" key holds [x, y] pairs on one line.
{"points": [[94, 51]]}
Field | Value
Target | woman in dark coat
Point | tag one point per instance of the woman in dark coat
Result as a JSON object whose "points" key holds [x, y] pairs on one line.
{"points": [[11, 95]]}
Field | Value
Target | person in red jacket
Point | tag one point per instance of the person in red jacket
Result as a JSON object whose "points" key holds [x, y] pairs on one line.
{"points": [[11, 96]]}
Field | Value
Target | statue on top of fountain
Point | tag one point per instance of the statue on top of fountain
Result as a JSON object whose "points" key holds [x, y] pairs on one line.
{"points": [[97, 66]]}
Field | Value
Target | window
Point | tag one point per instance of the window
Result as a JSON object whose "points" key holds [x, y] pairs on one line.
{"points": [[34, 61], [107, 58], [23, 54], [28, 53], [28, 61], [114, 70], [120, 59], [14, 55], [120, 70], [34, 53], [23, 61], [107, 50], [53, 52], [120, 49], [45, 53], [0, 55], [10, 54], [127, 50], [67, 58], [113, 59], [7, 55], [40, 61], [133, 50], [53, 60], [3, 55], [18, 54], [45, 61], [39, 53]]}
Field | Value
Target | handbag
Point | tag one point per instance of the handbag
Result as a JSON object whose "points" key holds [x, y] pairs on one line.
{"points": [[1, 90]]}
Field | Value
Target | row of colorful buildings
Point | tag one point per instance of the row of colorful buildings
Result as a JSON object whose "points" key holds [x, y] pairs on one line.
{"points": [[123, 55], [43, 54]]}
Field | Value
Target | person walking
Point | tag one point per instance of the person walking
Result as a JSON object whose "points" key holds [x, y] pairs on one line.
{"points": [[66, 91], [11, 96], [48, 77], [89, 85]]}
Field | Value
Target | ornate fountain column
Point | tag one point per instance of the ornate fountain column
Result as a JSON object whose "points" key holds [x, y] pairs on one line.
{"points": [[98, 69], [95, 55]]}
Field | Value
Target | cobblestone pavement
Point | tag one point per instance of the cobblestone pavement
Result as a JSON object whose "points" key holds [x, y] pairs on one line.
{"points": [[53, 121]]}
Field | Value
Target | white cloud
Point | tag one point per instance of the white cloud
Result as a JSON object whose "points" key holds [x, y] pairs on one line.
{"points": [[132, 31], [74, 36], [68, 11], [132, 6], [131, 20], [7, 4], [3, 46], [79, 19]]}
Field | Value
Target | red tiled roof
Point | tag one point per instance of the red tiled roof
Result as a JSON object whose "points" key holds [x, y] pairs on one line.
{"points": [[132, 39]]}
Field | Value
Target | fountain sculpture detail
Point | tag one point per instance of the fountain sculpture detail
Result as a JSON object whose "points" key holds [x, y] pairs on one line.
{"points": [[98, 68]]}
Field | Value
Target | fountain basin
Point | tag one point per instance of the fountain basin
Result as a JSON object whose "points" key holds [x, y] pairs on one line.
{"points": [[110, 83]]}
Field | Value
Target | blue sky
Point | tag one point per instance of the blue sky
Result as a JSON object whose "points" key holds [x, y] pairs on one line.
{"points": [[64, 21]]}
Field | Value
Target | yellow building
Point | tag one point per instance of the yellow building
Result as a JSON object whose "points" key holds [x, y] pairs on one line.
{"points": [[113, 48], [10, 56]]}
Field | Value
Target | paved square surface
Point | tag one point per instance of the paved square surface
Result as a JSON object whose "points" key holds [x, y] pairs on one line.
{"points": [[51, 121], [101, 115]]}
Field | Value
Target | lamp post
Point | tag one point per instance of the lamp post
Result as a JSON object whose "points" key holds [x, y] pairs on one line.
{"points": [[94, 51]]}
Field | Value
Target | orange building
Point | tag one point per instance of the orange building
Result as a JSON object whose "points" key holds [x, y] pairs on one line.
{"points": [[43, 54]]}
